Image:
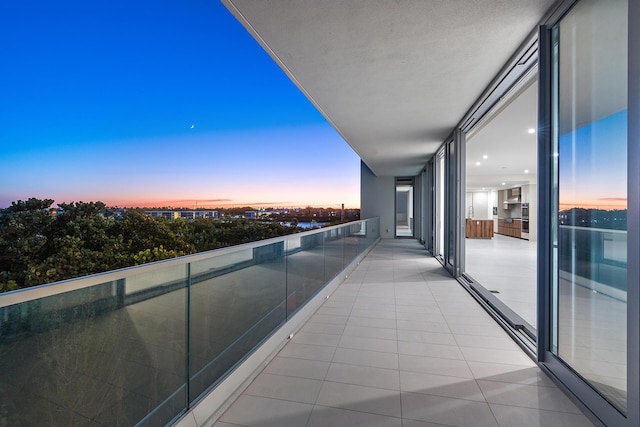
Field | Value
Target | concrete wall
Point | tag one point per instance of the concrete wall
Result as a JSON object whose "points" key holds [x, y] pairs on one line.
{"points": [[377, 199]]}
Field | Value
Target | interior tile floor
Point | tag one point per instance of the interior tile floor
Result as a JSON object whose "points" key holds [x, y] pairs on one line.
{"points": [[506, 265], [401, 343]]}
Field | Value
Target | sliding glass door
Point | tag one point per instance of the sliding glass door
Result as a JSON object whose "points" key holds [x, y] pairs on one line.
{"points": [[439, 196], [587, 292]]}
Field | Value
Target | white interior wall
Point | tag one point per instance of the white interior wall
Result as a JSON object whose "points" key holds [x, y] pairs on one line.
{"points": [[478, 205], [481, 205]]}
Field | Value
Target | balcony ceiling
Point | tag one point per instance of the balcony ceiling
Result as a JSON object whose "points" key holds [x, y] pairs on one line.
{"points": [[392, 77]]}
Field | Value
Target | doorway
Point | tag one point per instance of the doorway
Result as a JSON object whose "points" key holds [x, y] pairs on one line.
{"points": [[501, 206], [404, 207]]}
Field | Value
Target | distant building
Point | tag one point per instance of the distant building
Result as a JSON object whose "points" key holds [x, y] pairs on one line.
{"points": [[164, 214], [188, 214], [196, 214]]}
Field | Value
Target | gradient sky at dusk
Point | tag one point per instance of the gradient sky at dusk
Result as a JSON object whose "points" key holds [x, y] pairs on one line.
{"points": [[153, 104]]}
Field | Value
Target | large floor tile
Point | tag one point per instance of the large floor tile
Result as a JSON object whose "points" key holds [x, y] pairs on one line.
{"points": [[440, 385], [433, 316], [491, 330], [430, 350], [376, 314], [448, 411], [359, 398], [371, 332], [527, 396], [433, 365], [302, 368], [375, 359], [411, 325], [323, 416], [371, 322], [256, 411], [325, 318], [509, 357], [323, 328], [334, 311], [307, 351], [423, 305], [415, 423], [426, 337], [510, 374], [372, 344], [282, 387], [513, 416], [316, 339], [364, 375], [495, 343]]}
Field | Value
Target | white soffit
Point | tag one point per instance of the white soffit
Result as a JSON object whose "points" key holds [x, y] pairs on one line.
{"points": [[392, 77]]}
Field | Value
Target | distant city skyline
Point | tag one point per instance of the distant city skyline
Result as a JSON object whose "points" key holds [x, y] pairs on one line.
{"points": [[157, 104]]}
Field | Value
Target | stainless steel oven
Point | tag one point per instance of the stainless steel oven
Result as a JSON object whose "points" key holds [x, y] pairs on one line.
{"points": [[524, 232]]}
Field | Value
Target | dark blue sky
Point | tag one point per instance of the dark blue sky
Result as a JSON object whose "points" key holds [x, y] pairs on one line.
{"points": [[140, 102]]}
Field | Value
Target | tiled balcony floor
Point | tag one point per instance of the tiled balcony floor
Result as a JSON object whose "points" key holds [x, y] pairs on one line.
{"points": [[401, 343]]}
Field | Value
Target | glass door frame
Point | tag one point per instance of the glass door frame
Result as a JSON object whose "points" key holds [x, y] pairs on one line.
{"points": [[449, 202], [429, 210], [587, 397]]}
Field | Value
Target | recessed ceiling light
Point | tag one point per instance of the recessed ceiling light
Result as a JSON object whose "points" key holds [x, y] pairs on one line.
{"points": [[531, 130], [477, 163], [526, 171], [483, 188], [485, 157], [504, 183]]}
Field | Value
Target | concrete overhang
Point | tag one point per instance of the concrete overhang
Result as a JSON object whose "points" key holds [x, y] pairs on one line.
{"points": [[392, 77]]}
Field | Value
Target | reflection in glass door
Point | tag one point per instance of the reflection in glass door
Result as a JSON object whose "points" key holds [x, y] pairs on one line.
{"points": [[589, 234]]}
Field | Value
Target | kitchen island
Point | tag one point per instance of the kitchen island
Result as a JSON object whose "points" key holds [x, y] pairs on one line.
{"points": [[479, 228]]}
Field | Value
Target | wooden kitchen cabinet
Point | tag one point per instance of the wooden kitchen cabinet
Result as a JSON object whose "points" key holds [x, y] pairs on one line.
{"points": [[479, 228], [510, 228]]}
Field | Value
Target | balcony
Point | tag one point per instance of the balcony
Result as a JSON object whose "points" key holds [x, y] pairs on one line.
{"points": [[399, 342]]}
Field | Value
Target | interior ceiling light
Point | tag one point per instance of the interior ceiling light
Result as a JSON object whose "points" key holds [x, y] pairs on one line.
{"points": [[485, 157], [477, 163], [531, 130], [504, 183]]}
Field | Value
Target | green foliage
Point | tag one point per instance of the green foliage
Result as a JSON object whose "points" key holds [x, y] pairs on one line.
{"points": [[25, 231], [155, 254], [141, 232], [38, 246]]}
